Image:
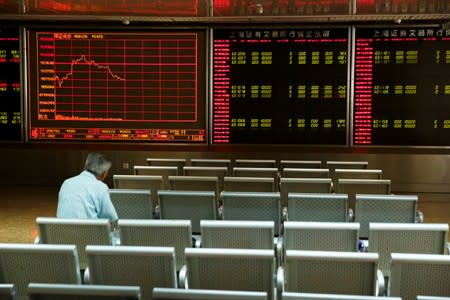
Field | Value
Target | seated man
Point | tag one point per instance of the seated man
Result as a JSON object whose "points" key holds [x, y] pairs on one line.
{"points": [[86, 196]]}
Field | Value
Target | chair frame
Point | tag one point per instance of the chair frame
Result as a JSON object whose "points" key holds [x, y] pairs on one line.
{"points": [[155, 183], [420, 262], [384, 246], [73, 270], [143, 214], [245, 184], [331, 257], [72, 290], [127, 227], [100, 225], [196, 294]]}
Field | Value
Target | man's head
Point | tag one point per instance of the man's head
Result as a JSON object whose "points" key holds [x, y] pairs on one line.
{"points": [[97, 164]]}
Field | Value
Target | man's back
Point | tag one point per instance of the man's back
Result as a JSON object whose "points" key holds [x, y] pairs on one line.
{"points": [[84, 196]]}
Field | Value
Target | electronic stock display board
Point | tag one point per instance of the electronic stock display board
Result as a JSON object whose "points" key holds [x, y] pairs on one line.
{"points": [[280, 86], [10, 97], [117, 86], [402, 86]]}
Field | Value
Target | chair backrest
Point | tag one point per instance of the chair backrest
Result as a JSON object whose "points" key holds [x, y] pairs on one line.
{"points": [[195, 294], [54, 291], [79, 232], [255, 172], [314, 296], [384, 209], [432, 298], [255, 163], [333, 165], [303, 185], [237, 234], [219, 172], [286, 163], [356, 174], [336, 164], [362, 186], [21, 264], [419, 274], [249, 184], [387, 238], [141, 182], [330, 272], [192, 205], [317, 207], [161, 233], [132, 203], [146, 267], [163, 171], [168, 162], [195, 183], [206, 162], [305, 173], [205, 171], [325, 236], [231, 269], [257, 206], [8, 291]]}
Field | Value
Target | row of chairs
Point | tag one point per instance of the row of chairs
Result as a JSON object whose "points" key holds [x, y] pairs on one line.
{"points": [[46, 291], [221, 172], [154, 183], [198, 205], [384, 238], [227, 269], [255, 163], [256, 168]]}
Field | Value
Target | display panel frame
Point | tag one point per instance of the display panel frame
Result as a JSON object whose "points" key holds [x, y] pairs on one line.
{"points": [[353, 113], [200, 136], [348, 89]]}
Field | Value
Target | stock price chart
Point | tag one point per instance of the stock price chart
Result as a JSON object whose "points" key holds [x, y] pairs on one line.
{"points": [[128, 86], [280, 86], [402, 87], [10, 111]]}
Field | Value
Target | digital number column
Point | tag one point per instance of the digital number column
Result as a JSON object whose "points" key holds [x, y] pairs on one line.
{"points": [[402, 87], [10, 112], [363, 92], [274, 86], [221, 130]]}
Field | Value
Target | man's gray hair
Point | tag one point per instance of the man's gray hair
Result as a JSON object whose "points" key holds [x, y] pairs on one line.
{"points": [[97, 164]]}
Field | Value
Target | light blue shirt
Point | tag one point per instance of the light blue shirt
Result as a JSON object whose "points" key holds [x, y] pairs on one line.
{"points": [[85, 197]]}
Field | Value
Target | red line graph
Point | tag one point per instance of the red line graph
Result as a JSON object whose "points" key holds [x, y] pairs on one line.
{"points": [[132, 77], [83, 59]]}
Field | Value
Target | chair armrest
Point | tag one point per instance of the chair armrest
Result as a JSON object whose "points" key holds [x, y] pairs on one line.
{"points": [[381, 288], [279, 250], [350, 215], [419, 216], [182, 278], [220, 212], [86, 276], [198, 242], [156, 212], [280, 282], [284, 216], [115, 237]]}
